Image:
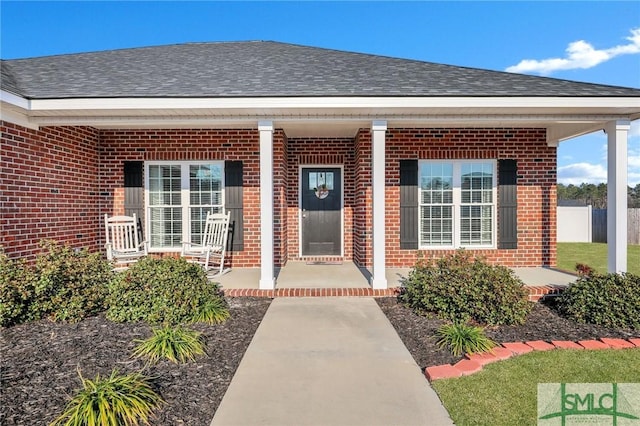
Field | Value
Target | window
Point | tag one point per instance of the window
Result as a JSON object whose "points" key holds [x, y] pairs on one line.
{"points": [[457, 205], [178, 197]]}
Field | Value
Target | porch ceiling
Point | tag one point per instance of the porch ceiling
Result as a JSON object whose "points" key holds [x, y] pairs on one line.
{"points": [[327, 117]]}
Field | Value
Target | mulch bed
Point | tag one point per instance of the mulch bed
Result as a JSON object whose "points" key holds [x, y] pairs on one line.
{"points": [[418, 332], [39, 361], [39, 365]]}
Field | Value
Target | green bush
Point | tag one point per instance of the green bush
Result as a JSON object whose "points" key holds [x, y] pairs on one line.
{"points": [[461, 338], [17, 290], [116, 400], [459, 288], [169, 291], [611, 300], [63, 284], [70, 284]]}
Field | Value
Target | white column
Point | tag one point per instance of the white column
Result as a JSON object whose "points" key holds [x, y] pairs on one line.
{"points": [[267, 280], [378, 276], [617, 132]]}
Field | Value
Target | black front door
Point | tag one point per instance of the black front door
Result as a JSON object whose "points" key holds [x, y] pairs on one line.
{"points": [[321, 223]]}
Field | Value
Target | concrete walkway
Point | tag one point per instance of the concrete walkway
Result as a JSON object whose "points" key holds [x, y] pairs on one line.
{"points": [[328, 361]]}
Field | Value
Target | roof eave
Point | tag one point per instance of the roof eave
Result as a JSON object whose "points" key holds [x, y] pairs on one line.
{"points": [[564, 117]]}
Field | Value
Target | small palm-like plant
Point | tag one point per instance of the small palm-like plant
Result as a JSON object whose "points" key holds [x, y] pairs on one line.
{"points": [[463, 338], [176, 344], [113, 401], [213, 311]]}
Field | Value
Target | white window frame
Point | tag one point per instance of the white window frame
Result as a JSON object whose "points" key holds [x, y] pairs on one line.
{"points": [[185, 199], [457, 203]]}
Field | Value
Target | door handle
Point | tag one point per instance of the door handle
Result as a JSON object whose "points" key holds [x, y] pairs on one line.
{"points": [[304, 213]]}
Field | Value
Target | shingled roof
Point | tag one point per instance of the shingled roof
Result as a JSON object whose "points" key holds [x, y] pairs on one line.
{"points": [[268, 69]]}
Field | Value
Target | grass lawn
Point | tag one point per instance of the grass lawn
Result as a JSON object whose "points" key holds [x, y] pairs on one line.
{"points": [[505, 392], [594, 255]]}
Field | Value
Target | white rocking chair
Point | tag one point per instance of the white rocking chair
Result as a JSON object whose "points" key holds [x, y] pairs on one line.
{"points": [[123, 241], [214, 243]]}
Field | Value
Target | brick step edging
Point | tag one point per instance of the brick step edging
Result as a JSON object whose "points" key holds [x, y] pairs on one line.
{"points": [[312, 292], [535, 292], [474, 362]]}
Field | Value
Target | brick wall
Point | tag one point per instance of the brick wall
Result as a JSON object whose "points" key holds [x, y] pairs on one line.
{"points": [[118, 146], [363, 218], [536, 185], [58, 182], [48, 188], [280, 185]]}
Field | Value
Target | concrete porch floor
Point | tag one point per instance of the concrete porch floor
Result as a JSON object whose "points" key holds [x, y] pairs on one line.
{"points": [[298, 274]]}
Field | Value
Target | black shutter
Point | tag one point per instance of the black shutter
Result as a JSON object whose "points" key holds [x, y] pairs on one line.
{"points": [[134, 192], [409, 204], [508, 208], [233, 203], [133, 174]]}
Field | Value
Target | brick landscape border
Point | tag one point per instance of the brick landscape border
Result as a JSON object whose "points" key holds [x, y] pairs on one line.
{"points": [[474, 362]]}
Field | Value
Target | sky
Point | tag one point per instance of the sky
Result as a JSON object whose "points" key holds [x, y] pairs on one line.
{"points": [[590, 41]]}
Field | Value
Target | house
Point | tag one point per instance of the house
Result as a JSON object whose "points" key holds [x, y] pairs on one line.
{"points": [[317, 153]]}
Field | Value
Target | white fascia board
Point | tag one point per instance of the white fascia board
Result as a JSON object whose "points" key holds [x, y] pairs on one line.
{"points": [[14, 116], [332, 103], [15, 100], [14, 109]]}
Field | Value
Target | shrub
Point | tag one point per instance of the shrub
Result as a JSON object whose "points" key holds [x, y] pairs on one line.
{"points": [[17, 289], [463, 338], [176, 344], [611, 300], [170, 291], [459, 288], [70, 284], [116, 400]]}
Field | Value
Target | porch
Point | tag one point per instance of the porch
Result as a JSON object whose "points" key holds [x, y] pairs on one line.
{"points": [[307, 279]]}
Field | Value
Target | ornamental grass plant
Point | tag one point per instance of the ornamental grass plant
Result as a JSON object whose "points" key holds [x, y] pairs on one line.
{"points": [[177, 344], [461, 338], [118, 400]]}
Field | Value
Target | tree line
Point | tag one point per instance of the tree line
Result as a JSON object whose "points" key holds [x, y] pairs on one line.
{"points": [[596, 195]]}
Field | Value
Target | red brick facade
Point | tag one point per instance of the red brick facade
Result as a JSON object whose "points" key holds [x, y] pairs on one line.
{"points": [[58, 183], [536, 185], [48, 188]]}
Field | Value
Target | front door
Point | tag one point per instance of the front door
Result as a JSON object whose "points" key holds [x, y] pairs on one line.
{"points": [[321, 221]]}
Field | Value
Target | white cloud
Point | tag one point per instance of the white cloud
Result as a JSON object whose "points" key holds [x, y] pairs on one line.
{"points": [[580, 55], [578, 173], [587, 172]]}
